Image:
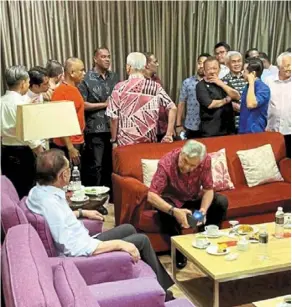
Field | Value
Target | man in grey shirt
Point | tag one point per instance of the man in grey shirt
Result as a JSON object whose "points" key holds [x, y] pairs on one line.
{"points": [[71, 238]]}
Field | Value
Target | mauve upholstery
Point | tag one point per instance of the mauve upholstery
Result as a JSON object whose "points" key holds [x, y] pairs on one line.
{"points": [[248, 205], [181, 302], [71, 287], [145, 293], [26, 272], [7, 187]]}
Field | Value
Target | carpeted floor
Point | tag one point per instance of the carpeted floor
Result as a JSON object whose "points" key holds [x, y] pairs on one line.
{"points": [[236, 293]]}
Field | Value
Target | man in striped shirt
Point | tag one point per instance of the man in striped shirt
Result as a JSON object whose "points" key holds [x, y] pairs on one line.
{"points": [[134, 107]]}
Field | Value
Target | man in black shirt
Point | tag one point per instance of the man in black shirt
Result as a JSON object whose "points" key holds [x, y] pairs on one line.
{"points": [[96, 87], [214, 96]]}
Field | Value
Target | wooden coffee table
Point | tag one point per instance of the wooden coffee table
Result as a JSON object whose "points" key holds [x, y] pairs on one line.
{"points": [[219, 270]]}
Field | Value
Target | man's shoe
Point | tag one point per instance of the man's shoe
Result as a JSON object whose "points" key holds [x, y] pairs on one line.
{"points": [[181, 263], [102, 210], [169, 296]]}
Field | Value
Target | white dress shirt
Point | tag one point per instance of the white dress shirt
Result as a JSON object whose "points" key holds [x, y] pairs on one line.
{"points": [[224, 70], [279, 112], [70, 236], [9, 104]]}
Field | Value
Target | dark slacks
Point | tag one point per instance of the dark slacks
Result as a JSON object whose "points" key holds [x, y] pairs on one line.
{"points": [[97, 160], [191, 134], [215, 215], [288, 144], [127, 232], [18, 164]]}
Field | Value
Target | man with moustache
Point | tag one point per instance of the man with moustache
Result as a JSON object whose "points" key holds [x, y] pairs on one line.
{"points": [[235, 79], [188, 100], [96, 87], [214, 96]]}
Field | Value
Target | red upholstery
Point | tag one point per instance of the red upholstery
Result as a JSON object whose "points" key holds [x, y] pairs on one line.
{"points": [[130, 194]]}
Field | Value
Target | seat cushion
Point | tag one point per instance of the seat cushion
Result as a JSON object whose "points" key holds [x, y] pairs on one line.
{"points": [[27, 270], [42, 228], [71, 287], [182, 302], [11, 214], [245, 201]]}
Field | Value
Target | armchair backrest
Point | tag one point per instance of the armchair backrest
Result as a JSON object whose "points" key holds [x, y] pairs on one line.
{"points": [[41, 227], [26, 270], [8, 188]]}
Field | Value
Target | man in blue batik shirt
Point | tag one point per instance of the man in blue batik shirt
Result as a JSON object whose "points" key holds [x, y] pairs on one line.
{"points": [[254, 100], [188, 99]]}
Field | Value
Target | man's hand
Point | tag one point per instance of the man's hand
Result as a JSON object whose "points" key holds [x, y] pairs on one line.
{"points": [[181, 216], [204, 212], [74, 155], [251, 78], [131, 249], [216, 80], [167, 139], [236, 106], [93, 215]]}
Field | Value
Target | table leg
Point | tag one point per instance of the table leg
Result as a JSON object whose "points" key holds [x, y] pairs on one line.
{"points": [[173, 259], [216, 294]]}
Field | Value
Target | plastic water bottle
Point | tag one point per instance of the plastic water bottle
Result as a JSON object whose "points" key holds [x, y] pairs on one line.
{"points": [[76, 179], [182, 135], [279, 221], [263, 243]]}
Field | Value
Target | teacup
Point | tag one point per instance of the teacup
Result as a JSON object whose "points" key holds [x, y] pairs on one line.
{"points": [[201, 242], [287, 218], [212, 230], [242, 245], [79, 195]]}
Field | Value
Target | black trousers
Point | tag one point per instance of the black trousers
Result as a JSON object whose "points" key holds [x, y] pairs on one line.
{"points": [[191, 134], [18, 164], [288, 144], [97, 160], [127, 232], [215, 215]]}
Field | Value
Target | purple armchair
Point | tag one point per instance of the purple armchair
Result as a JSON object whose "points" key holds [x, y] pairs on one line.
{"points": [[110, 266], [30, 279]]}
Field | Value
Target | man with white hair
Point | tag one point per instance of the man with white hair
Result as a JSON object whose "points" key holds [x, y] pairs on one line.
{"points": [[279, 111], [235, 79], [134, 106], [182, 183]]}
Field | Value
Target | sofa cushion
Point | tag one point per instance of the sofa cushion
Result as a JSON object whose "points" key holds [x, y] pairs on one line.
{"points": [[11, 214], [245, 201], [71, 287], [8, 188], [26, 269], [131, 167], [259, 165], [42, 228], [149, 168]]}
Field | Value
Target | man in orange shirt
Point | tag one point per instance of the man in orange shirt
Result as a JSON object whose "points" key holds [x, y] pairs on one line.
{"points": [[67, 90]]}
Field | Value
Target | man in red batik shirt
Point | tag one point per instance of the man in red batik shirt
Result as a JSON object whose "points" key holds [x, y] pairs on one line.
{"points": [[183, 183]]}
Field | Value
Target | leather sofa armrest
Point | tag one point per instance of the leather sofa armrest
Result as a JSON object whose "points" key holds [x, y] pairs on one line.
{"points": [[285, 169], [130, 195]]}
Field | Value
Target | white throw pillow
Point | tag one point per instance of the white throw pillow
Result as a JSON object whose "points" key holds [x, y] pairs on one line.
{"points": [[149, 168], [259, 165]]}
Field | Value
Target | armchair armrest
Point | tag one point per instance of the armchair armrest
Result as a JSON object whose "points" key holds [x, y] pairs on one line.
{"points": [[105, 267], [285, 169], [146, 292], [130, 194], [93, 226]]}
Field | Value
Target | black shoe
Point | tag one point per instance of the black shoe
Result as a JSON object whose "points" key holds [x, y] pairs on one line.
{"points": [[102, 210], [169, 296], [181, 262]]}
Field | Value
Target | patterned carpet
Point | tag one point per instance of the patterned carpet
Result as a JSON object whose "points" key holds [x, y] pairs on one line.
{"points": [[235, 293]]}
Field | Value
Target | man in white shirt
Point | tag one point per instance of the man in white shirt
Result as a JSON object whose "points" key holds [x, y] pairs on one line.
{"points": [[18, 158], [48, 199], [220, 51], [38, 85], [269, 69], [279, 112]]}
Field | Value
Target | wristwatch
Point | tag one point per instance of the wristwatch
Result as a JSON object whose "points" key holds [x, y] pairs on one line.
{"points": [[170, 211], [113, 141], [80, 213]]}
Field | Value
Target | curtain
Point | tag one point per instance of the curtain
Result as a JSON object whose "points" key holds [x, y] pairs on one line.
{"points": [[175, 31]]}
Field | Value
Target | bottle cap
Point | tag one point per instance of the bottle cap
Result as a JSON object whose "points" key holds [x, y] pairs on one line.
{"points": [[75, 167], [280, 208]]}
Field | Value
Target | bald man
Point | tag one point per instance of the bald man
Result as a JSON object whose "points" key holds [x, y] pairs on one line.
{"points": [[73, 75]]}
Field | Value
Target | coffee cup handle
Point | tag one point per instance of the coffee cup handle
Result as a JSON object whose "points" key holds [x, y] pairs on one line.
{"points": [[206, 228]]}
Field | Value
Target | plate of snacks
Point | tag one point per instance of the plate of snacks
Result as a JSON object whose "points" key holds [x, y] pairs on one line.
{"points": [[218, 250], [96, 190], [253, 238], [246, 229]]}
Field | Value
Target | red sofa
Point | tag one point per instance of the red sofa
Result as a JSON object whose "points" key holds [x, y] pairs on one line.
{"points": [[248, 205]]}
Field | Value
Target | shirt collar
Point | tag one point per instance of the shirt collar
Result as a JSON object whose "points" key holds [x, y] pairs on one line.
{"points": [[98, 74], [51, 189], [13, 93]]}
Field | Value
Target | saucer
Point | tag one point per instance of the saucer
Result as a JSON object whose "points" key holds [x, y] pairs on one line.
{"points": [[213, 250], [79, 200], [217, 235], [194, 244]]}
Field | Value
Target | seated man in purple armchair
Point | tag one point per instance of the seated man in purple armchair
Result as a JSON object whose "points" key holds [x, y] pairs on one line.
{"points": [[176, 191], [71, 238]]}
